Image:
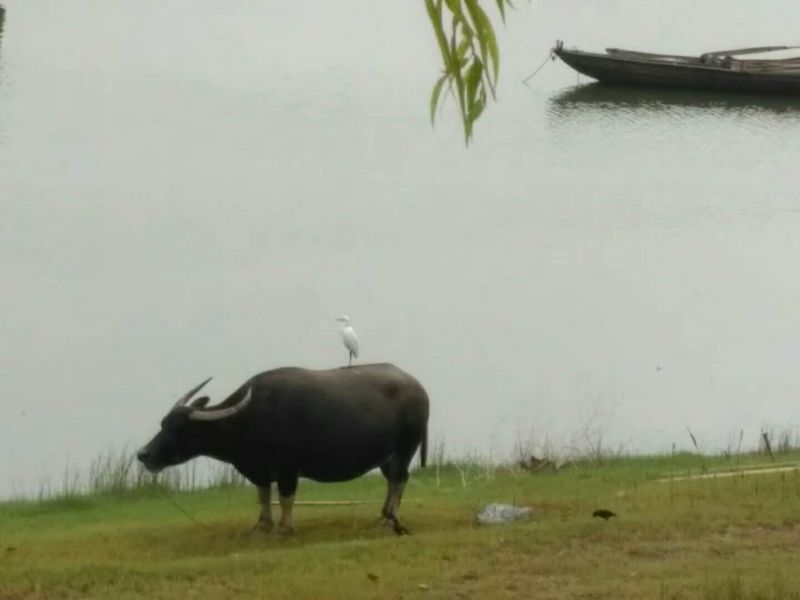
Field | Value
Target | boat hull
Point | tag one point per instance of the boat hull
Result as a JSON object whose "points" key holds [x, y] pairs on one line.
{"points": [[628, 69]]}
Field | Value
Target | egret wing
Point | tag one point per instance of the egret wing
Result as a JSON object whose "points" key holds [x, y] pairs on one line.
{"points": [[350, 340]]}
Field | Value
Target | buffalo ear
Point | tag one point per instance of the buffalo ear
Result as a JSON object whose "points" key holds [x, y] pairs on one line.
{"points": [[200, 402]]}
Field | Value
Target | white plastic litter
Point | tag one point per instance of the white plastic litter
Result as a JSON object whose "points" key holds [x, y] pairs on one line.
{"points": [[493, 514]]}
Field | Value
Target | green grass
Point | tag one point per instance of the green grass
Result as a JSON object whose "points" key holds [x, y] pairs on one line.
{"points": [[731, 538]]}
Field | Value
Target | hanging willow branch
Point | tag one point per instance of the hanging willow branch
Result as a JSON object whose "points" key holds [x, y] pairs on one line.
{"points": [[470, 55]]}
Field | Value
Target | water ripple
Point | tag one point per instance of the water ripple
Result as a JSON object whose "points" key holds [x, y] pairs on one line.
{"points": [[612, 107]]}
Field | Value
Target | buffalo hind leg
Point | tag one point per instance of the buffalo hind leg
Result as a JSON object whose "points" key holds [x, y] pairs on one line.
{"points": [[395, 494], [389, 503], [287, 486], [396, 472]]}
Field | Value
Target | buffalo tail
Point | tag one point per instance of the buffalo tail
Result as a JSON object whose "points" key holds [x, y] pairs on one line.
{"points": [[423, 449]]}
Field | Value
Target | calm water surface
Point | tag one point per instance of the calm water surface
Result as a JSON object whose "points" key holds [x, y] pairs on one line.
{"points": [[199, 187]]}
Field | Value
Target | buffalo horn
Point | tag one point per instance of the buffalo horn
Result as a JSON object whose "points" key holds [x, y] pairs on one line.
{"points": [[188, 395], [222, 413]]}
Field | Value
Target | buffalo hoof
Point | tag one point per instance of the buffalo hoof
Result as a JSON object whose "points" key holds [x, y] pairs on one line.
{"points": [[285, 530], [380, 521], [400, 529], [261, 527]]}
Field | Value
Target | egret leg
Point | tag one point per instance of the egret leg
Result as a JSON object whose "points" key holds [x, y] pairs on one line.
{"points": [[350, 360]]}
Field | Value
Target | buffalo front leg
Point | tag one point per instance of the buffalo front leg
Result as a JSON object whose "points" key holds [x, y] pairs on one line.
{"points": [[265, 522]]}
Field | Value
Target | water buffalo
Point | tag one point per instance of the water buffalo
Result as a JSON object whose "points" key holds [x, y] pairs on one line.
{"points": [[288, 423]]}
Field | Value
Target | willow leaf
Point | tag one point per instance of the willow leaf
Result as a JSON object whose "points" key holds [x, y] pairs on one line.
{"points": [[473, 81], [473, 14], [435, 14], [459, 80], [470, 55], [465, 45], [437, 90], [480, 104], [458, 16], [486, 37], [454, 70], [501, 6]]}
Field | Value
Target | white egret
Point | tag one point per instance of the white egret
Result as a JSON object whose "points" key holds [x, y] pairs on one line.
{"points": [[349, 338]]}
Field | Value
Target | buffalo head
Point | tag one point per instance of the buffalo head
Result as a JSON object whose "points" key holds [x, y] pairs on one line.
{"points": [[179, 439]]}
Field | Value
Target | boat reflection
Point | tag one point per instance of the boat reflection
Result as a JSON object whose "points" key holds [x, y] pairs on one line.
{"points": [[603, 97]]}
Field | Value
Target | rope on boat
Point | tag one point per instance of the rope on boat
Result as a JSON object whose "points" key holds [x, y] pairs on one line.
{"points": [[551, 55]]}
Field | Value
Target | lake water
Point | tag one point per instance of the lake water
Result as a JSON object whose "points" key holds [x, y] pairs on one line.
{"points": [[198, 187]]}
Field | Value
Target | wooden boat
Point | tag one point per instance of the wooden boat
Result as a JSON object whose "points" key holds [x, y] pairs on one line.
{"points": [[721, 70]]}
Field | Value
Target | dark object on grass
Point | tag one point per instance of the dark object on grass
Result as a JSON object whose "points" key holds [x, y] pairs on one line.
{"points": [[541, 465], [288, 423], [603, 514], [535, 464]]}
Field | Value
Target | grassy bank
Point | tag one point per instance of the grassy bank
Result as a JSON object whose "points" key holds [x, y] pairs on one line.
{"points": [[723, 537]]}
